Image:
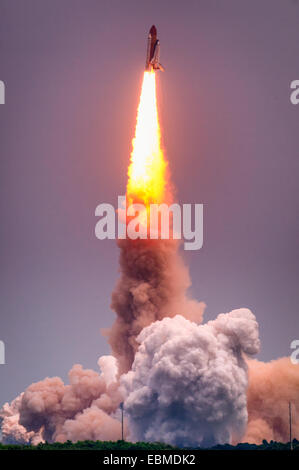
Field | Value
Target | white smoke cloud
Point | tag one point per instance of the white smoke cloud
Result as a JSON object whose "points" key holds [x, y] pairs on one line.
{"points": [[188, 382], [109, 369]]}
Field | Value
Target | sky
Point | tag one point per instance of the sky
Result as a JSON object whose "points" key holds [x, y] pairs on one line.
{"points": [[72, 71]]}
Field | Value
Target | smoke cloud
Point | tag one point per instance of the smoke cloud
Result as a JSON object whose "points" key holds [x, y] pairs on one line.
{"points": [[188, 382], [182, 382], [12, 431], [51, 411], [153, 285], [272, 386]]}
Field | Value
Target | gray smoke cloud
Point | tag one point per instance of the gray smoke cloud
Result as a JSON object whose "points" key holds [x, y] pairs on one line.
{"points": [[188, 382]]}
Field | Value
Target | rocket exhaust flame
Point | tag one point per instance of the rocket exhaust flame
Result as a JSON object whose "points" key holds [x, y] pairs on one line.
{"points": [[147, 170]]}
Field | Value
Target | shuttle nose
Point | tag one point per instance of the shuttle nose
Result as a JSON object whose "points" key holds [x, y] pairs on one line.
{"points": [[153, 30]]}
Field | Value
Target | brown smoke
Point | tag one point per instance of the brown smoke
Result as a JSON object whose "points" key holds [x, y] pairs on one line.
{"points": [[49, 410], [153, 285], [272, 386]]}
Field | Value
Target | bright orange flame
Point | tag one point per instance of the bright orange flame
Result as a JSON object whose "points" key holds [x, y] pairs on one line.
{"points": [[147, 170]]}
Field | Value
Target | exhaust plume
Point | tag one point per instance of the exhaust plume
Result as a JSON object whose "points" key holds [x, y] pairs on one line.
{"points": [[154, 279], [153, 285]]}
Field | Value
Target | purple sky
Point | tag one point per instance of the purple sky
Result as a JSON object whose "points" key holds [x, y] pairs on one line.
{"points": [[73, 71]]}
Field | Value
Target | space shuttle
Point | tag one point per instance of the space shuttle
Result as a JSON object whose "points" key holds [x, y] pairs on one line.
{"points": [[153, 50]]}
